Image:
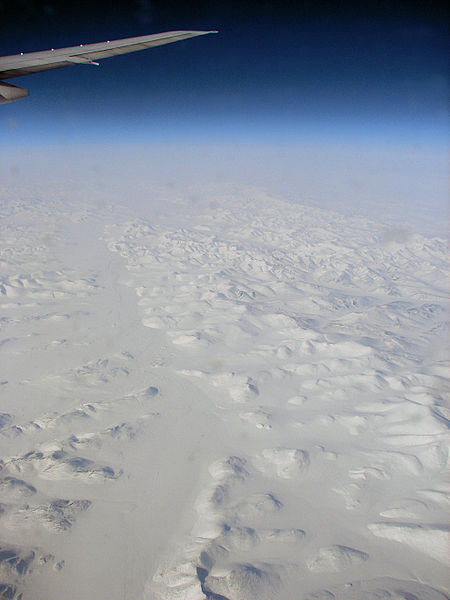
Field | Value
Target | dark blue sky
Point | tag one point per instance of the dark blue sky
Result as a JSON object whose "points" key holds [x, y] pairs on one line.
{"points": [[279, 71]]}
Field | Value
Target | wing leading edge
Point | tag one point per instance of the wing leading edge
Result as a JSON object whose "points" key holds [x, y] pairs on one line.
{"points": [[33, 62]]}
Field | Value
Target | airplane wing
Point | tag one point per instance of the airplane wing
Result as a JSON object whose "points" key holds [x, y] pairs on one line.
{"points": [[33, 62]]}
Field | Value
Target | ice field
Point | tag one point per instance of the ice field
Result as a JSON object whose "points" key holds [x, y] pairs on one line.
{"points": [[226, 396]]}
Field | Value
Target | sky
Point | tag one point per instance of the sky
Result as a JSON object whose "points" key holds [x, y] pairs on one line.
{"points": [[337, 103], [372, 73]]}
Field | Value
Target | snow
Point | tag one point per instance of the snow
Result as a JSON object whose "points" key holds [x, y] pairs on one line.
{"points": [[238, 397]]}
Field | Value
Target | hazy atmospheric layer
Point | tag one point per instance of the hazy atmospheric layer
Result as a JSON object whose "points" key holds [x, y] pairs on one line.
{"points": [[214, 390]]}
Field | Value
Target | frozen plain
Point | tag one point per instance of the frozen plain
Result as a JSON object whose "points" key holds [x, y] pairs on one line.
{"points": [[225, 396]]}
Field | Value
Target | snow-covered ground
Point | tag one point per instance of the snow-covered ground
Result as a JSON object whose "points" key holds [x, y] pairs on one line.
{"points": [[228, 397]]}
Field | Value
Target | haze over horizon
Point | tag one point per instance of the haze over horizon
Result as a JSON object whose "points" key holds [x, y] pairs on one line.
{"points": [[341, 104]]}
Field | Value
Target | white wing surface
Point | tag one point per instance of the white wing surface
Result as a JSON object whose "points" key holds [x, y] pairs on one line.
{"points": [[33, 62]]}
